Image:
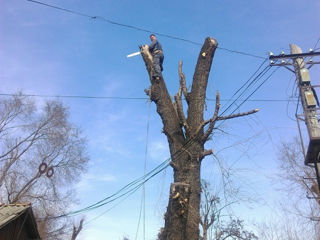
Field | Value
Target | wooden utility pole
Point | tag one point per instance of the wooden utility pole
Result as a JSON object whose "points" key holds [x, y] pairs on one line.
{"points": [[308, 98], [186, 135]]}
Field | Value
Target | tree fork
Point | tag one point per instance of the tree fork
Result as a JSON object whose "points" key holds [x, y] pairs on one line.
{"points": [[186, 151], [186, 140]]}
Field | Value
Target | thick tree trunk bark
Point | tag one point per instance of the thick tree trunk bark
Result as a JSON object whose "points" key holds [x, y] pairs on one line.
{"points": [[186, 138], [185, 143]]}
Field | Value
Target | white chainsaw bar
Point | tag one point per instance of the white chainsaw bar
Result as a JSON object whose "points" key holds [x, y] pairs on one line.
{"points": [[133, 54]]}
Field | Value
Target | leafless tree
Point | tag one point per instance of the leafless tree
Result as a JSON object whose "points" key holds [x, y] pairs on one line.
{"points": [[284, 226], [186, 135], [216, 223], [297, 217], [41, 155], [299, 181]]}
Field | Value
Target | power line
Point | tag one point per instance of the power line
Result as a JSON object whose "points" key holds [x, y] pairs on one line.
{"points": [[133, 186], [249, 78], [130, 98], [247, 83], [314, 48], [242, 53], [151, 174], [139, 28], [129, 188], [257, 88], [143, 197], [254, 91], [73, 96]]}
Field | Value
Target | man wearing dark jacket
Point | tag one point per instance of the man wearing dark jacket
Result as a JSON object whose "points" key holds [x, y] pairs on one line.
{"points": [[155, 49]]}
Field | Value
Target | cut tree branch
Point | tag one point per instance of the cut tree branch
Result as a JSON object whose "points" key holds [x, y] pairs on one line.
{"points": [[212, 121], [77, 230], [238, 115], [199, 84], [177, 97], [159, 94], [182, 79], [181, 113], [206, 153]]}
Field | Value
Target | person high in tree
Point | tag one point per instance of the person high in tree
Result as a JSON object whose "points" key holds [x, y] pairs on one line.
{"points": [[155, 49]]}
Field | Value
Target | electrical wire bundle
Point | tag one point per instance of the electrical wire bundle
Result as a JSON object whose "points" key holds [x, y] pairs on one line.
{"points": [[127, 190], [133, 186], [254, 83]]}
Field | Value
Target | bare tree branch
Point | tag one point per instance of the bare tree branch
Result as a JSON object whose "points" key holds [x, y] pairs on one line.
{"points": [[180, 112], [206, 153], [238, 115], [77, 230], [159, 94], [25, 188], [183, 86], [29, 138], [211, 208], [212, 121]]}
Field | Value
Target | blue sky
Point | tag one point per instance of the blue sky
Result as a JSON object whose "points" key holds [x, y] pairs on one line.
{"points": [[49, 52]]}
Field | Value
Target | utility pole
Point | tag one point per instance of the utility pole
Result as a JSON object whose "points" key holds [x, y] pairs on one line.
{"points": [[308, 98]]}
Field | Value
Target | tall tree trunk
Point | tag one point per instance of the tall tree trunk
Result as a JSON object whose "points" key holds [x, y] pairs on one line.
{"points": [[185, 143], [186, 138]]}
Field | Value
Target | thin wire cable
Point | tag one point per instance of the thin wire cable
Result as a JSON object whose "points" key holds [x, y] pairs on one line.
{"points": [[128, 98], [314, 48], [132, 186], [263, 82], [257, 88], [103, 201], [292, 95], [134, 189], [74, 96], [257, 78], [151, 174], [131, 191], [139, 28], [109, 209], [245, 85], [249, 78], [143, 203], [145, 168], [189, 142], [160, 167], [242, 53]]}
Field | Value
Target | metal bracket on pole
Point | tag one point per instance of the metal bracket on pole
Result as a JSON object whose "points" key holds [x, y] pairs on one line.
{"points": [[296, 55]]}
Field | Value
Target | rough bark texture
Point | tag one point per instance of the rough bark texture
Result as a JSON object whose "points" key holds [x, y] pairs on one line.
{"points": [[186, 138]]}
